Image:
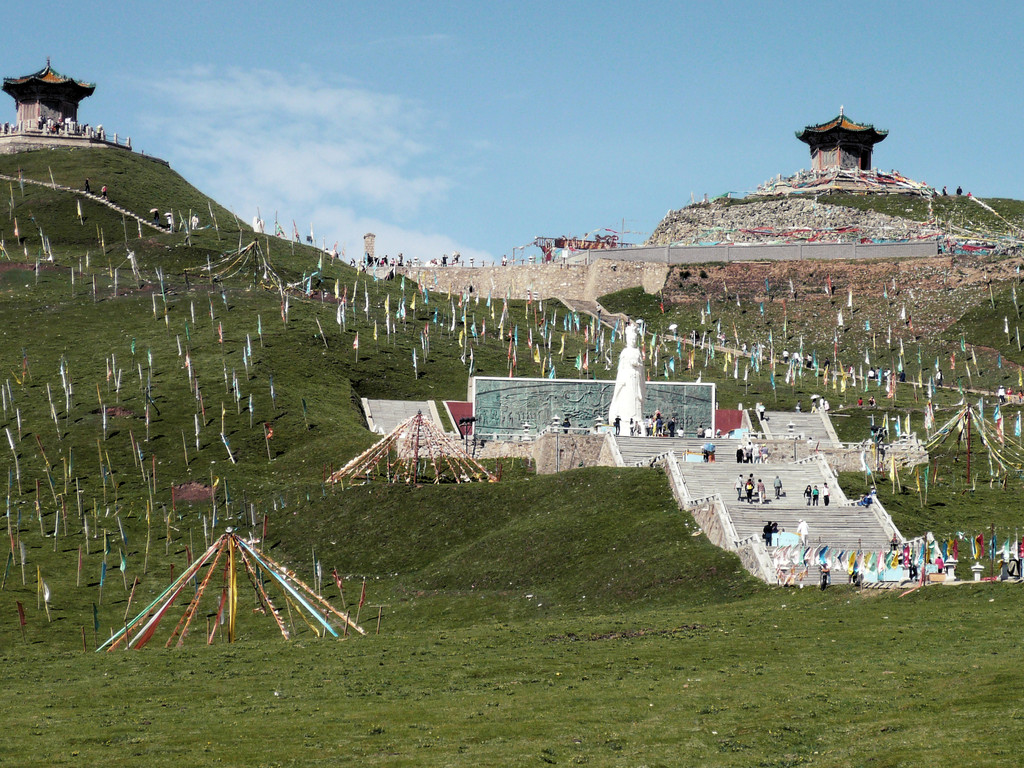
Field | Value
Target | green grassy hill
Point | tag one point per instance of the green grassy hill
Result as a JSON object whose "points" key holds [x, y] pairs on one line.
{"points": [[577, 618]]}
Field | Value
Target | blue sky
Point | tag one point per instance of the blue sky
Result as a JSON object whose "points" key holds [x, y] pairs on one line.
{"points": [[478, 126]]}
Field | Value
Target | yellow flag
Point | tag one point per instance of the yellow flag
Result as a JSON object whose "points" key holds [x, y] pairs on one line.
{"points": [[414, 302], [374, 330], [561, 351], [387, 305]]}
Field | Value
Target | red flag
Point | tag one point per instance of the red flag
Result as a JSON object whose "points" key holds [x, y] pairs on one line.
{"points": [[21, 613], [338, 581], [362, 597], [355, 343]]}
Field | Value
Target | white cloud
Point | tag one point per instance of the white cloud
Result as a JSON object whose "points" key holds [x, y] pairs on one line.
{"points": [[343, 157]]}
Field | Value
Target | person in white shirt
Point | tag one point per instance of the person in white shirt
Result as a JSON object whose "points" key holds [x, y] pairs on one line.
{"points": [[802, 531]]}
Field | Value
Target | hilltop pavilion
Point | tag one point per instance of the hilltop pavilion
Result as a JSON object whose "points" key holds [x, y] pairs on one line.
{"points": [[841, 143], [47, 98], [47, 114]]}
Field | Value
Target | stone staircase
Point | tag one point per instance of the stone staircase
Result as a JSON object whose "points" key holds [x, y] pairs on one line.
{"points": [[383, 416], [814, 426], [89, 196], [704, 480], [637, 451], [843, 526]]}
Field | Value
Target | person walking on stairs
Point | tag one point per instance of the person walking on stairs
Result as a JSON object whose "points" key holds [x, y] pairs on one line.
{"points": [[778, 487], [807, 495], [824, 494], [814, 496]]}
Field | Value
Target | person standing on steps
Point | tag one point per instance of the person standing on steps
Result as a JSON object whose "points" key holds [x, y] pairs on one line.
{"points": [[824, 494], [814, 496], [802, 531], [88, 189], [807, 495], [739, 487], [778, 487], [103, 192], [749, 488]]}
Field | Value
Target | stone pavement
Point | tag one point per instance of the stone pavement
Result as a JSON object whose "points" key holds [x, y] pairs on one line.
{"points": [[382, 416], [815, 426]]}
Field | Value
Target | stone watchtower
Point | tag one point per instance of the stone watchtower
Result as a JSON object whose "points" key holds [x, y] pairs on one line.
{"points": [[841, 143], [46, 98], [369, 243]]}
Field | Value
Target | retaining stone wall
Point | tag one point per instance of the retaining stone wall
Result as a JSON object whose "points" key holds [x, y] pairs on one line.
{"points": [[572, 451], [582, 282]]}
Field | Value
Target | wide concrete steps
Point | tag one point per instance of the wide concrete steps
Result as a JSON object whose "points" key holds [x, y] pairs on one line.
{"points": [[386, 415], [642, 449], [847, 527], [720, 477], [810, 425]]}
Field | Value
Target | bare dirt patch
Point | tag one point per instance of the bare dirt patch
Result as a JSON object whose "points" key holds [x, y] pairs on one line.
{"points": [[192, 492]]}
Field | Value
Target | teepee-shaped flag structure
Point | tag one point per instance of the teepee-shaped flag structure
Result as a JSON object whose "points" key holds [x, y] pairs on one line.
{"points": [[223, 557], [414, 452]]}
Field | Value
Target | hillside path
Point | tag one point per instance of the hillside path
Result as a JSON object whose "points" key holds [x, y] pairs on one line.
{"points": [[81, 193]]}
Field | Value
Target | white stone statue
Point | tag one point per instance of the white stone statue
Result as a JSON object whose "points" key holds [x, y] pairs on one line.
{"points": [[630, 383]]}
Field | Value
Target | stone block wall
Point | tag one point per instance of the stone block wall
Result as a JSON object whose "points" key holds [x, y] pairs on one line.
{"points": [[581, 282], [558, 453]]}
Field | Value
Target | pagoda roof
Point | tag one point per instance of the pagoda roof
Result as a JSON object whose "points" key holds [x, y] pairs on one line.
{"points": [[842, 123], [48, 76]]}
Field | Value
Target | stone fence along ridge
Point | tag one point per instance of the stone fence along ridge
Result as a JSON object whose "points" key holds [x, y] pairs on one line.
{"points": [[612, 270], [700, 254]]}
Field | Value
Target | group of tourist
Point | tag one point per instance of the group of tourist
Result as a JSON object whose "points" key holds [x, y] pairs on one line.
{"points": [[813, 494], [652, 426], [47, 125], [1007, 395], [752, 453], [771, 530], [747, 487]]}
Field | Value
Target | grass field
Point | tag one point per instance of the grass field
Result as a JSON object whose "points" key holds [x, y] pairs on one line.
{"points": [[579, 618]]}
